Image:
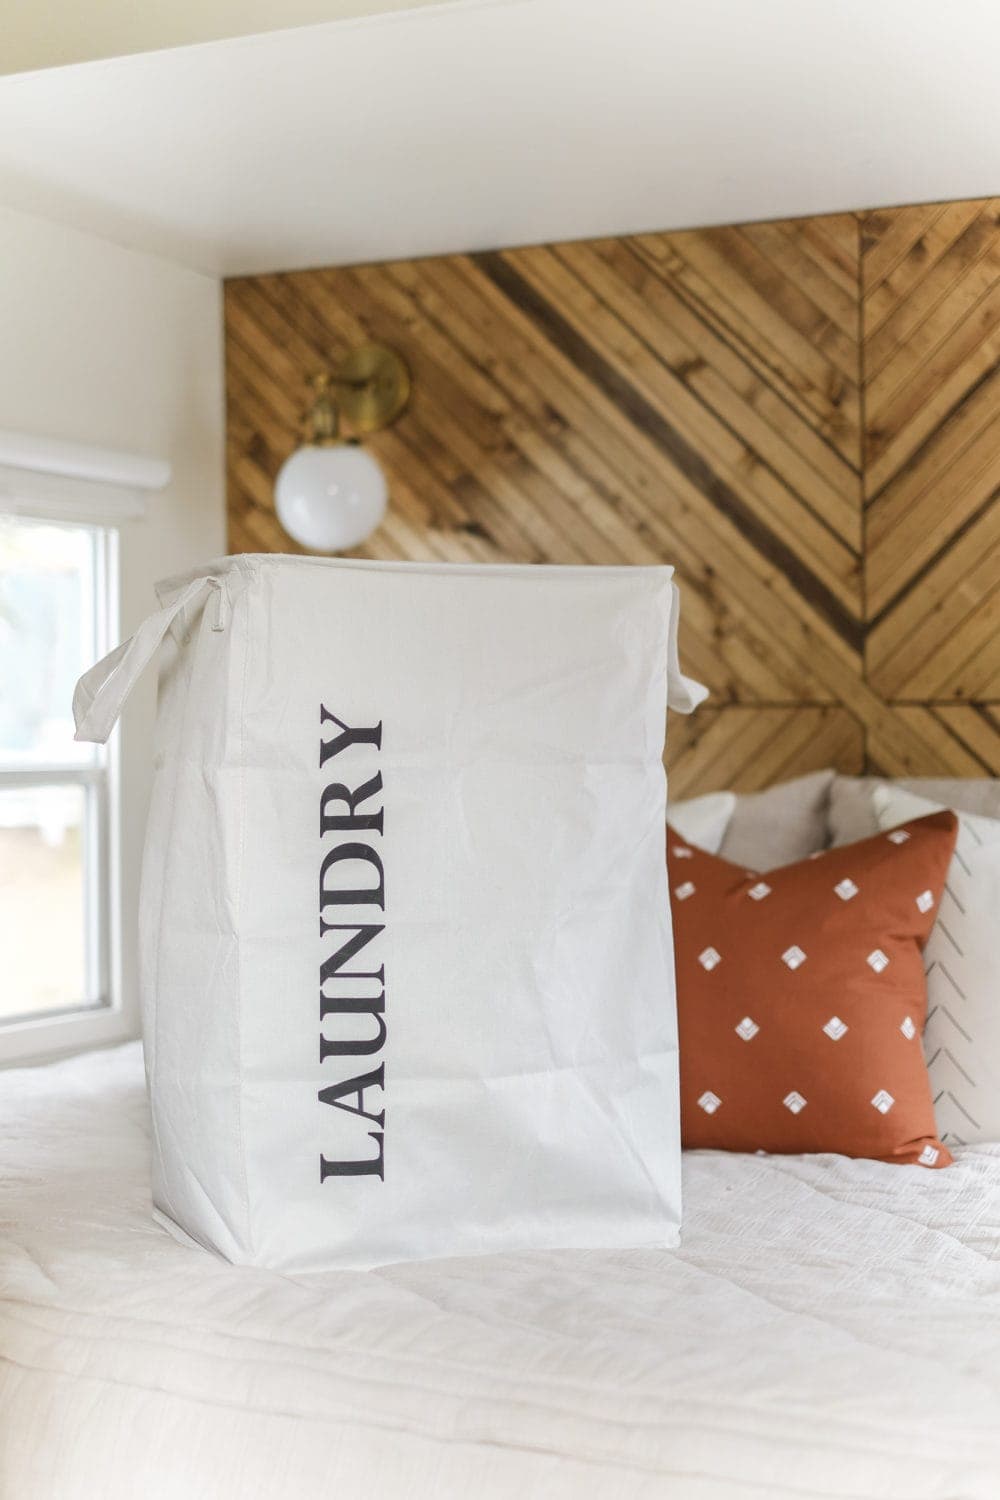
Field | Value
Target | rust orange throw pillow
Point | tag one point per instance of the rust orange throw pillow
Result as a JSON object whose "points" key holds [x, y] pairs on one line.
{"points": [[801, 997]]}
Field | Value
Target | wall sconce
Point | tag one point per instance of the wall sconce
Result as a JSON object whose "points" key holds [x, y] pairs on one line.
{"points": [[331, 493]]}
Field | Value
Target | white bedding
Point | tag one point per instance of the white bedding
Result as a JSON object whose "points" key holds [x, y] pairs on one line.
{"points": [[828, 1328]]}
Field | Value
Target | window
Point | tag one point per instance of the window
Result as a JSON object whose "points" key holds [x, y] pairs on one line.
{"points": [[57, 592]]}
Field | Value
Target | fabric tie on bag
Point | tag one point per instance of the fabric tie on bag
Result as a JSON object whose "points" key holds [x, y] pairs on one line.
{"points": [[405, 943], [100, 694]]}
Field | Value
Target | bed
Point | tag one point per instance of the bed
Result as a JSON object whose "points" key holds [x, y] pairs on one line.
{"points": [[829, 1328]]}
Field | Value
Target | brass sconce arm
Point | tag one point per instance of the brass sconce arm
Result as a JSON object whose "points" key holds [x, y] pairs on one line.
{"points": [[372, 385]]}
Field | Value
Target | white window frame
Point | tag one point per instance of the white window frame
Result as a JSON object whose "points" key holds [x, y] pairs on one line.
{"points": [[94, 1017], [49, 480]]}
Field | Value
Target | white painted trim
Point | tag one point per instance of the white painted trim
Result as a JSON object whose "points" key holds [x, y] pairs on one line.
{"points": [[40, 1039], [110, 466], [63, 497], [33, 1039]]}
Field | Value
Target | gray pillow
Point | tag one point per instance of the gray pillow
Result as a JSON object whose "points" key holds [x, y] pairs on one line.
{"points": [[852, 815], [784, 824]]}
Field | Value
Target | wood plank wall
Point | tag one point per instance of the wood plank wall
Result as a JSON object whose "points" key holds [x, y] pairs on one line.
{"points": [[804, 417]]}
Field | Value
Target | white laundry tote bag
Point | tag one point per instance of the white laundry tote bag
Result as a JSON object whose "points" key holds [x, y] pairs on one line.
{"points": [[407, 973]]}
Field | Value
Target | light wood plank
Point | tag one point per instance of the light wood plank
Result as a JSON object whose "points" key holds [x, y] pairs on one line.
{"points": [[694, 398]]}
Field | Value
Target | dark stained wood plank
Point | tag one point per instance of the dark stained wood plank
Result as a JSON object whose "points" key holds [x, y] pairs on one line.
{"points": [[785, 411]]}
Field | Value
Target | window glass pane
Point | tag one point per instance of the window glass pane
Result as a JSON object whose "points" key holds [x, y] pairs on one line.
{"points": [[49, 623], [49, 952]]}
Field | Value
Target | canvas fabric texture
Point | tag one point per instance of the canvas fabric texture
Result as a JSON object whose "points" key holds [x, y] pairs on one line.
{"points": [[407, 972], [802, 999]]}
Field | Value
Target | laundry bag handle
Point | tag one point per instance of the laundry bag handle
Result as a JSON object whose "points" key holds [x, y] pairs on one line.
{"points": [[683, 693], [101, 692]]}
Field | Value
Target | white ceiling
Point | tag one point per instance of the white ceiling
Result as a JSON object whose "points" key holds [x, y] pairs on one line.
{"points": [[480, 124], [57, 32]]}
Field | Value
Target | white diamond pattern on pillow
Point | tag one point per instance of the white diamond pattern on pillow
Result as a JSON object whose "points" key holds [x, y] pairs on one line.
{"points": [[859, 1071], [962, 958]]}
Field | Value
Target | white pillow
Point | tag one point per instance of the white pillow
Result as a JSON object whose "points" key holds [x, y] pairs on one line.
{"points": [[702, 821], [962, 958]]}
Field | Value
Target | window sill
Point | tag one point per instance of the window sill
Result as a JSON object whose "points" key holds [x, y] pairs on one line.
{"points": [[32, 1041]]}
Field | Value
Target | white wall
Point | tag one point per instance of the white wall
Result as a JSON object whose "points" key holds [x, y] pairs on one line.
{"points": [[105, 346], [64, 31]]}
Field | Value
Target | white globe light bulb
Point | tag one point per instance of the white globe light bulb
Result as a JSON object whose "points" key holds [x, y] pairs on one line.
{"points": [[330, 498]]}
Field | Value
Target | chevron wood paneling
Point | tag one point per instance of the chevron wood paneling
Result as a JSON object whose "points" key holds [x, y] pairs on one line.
{"points": [[749, 748], [930, 282], [795, 414]]}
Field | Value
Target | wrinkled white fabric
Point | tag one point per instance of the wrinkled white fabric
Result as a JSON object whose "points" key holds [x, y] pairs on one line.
{"points": [[406, 967], [828, 1329]]}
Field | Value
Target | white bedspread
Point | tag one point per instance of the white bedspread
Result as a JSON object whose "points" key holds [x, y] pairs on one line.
{"points": [[828, 1328]]}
